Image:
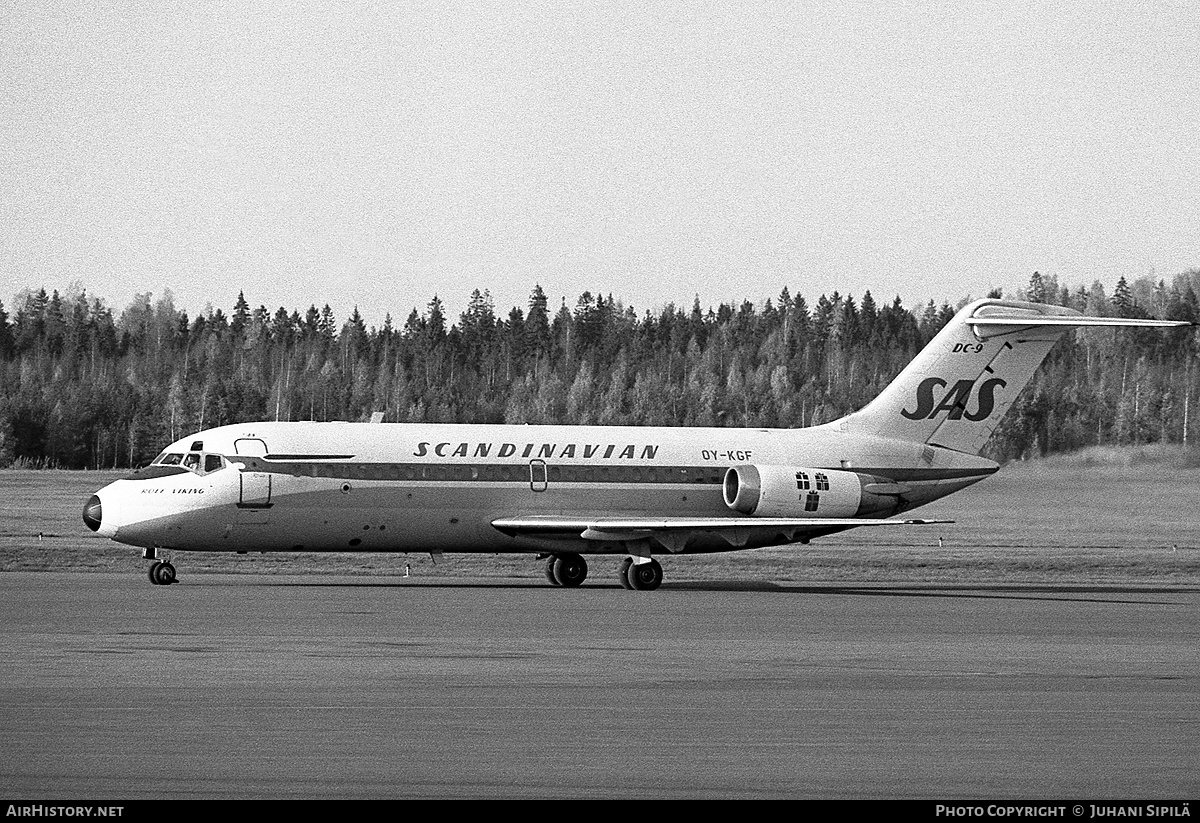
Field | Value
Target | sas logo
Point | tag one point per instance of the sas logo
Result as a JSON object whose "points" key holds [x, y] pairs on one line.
{"points": [[954, 400]]}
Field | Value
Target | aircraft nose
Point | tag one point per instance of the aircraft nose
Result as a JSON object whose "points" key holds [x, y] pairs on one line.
{"points": [[91, 513]]}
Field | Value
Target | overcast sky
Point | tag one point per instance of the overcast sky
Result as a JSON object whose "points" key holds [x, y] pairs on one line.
{"points": [[377, 153]]}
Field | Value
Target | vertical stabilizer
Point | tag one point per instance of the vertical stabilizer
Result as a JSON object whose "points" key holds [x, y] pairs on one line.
{"points": [[956, 391]]}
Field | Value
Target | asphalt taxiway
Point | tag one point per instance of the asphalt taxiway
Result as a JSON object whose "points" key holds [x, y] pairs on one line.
{"points": [[285, 687]]}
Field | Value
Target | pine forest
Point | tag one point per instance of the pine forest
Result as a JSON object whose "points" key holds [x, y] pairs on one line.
{"points": [[87, 386]]}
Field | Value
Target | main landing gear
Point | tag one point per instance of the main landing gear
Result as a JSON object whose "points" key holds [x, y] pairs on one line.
{"points": [[567, 569], [640, 576], [162, 573]]}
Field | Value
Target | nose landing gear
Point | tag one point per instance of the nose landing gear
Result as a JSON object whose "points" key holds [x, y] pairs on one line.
{"points": [[162, 573]]}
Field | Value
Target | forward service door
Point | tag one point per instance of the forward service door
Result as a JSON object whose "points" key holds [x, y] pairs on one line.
{"points": [[255, 491]]}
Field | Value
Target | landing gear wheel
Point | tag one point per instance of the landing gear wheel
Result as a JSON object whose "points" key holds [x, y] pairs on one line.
{"points": [[623, 573], [645, 577], [550, 571], [569, 570], [162, 574]]}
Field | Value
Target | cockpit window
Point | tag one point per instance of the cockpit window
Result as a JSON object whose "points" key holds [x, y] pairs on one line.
{"points": [[198, 462]]}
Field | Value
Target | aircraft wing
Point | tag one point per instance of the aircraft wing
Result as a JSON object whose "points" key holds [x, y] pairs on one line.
{"points": [[674, 532]]}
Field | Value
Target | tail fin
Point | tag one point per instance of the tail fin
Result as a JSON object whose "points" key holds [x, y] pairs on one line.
{"points": [[958, 388]]}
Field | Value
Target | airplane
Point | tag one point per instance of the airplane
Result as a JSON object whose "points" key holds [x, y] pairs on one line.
{"points": [[562, 492]]}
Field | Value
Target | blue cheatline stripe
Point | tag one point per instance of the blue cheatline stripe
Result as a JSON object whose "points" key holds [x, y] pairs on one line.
{"points": [[334, 468], [489, 472], [303, 457]]}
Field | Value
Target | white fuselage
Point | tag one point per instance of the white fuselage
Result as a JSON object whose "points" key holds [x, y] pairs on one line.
{"points": [[439, 487]]}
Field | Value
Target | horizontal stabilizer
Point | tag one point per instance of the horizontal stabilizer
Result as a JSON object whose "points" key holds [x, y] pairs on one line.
{"points": [[980, 323]]}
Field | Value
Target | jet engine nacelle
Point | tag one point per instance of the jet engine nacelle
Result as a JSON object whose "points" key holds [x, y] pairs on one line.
{"points": [[790, 491]]}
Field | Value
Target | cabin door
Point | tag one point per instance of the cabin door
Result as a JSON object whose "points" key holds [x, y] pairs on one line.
{"points": [[256, 490], [254, 497], [254, 500]]}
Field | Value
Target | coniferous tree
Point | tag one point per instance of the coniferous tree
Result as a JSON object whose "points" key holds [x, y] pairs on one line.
{"points": [[1122, 298], [6, 339], [241, 314], [1037, 289]]}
